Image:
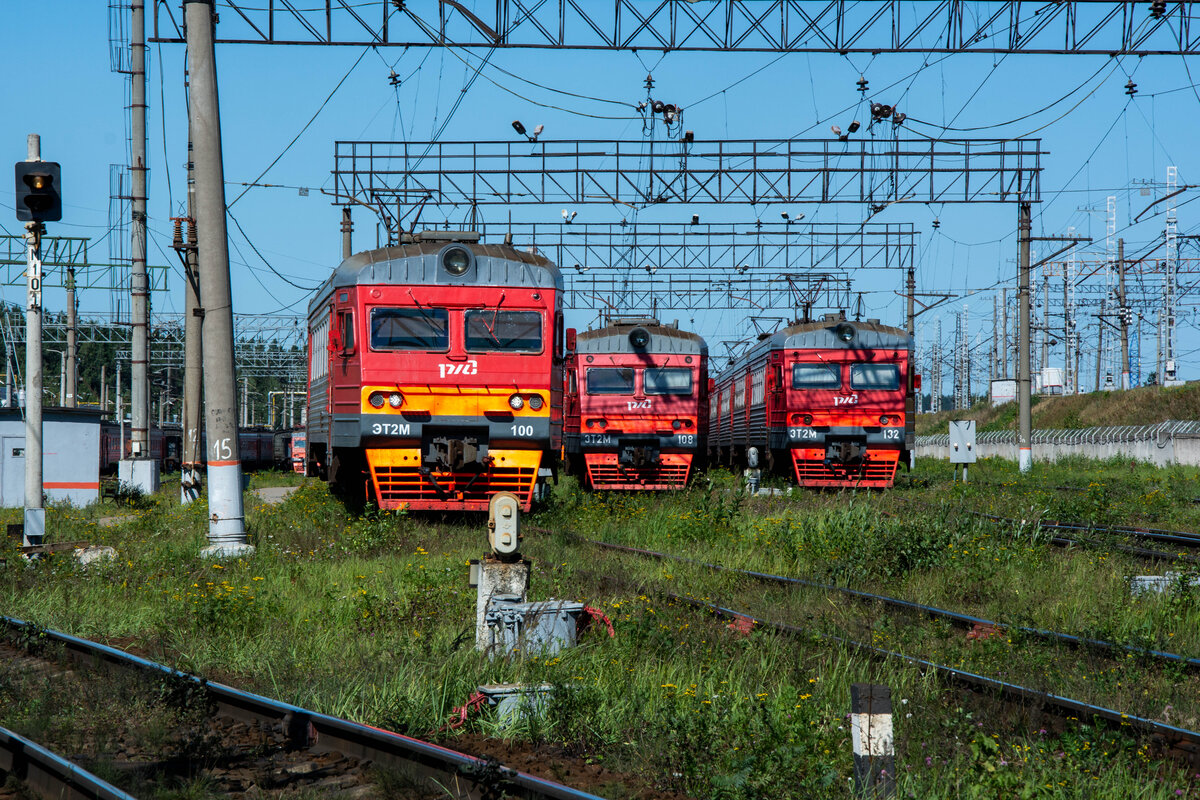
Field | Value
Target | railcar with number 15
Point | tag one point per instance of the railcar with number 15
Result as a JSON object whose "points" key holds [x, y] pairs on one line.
{"points": [[435, 373]]}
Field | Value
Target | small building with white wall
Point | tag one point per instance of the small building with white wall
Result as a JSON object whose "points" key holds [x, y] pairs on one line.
{"points": [[70, 456]]}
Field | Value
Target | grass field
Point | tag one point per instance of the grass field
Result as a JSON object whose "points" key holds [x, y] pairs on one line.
{"points": [[370, 617]]}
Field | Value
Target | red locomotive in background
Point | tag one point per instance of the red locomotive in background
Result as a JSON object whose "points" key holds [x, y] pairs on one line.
{"points": [[635, 404], [832, 400], [435, 373]]}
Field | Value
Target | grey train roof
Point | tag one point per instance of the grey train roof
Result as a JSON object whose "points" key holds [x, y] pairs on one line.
{"points": [[614, 338], [868, 335], [416, 263]]}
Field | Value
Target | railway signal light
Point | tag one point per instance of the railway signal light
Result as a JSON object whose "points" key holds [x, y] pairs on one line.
{"points": [[38, 198]]}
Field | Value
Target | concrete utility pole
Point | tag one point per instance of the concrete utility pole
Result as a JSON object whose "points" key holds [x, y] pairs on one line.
{"points": [[71, 366], [103, 388], [35, 514], [1004, 334], [1045, 321], [227, 521], [141, 471], [1100, 340], [1024, 385], [190, 480], [347, 230], [1123, 313]]}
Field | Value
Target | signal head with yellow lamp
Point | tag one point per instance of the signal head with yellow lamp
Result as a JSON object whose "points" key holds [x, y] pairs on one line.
{"points": [[38, 198]]}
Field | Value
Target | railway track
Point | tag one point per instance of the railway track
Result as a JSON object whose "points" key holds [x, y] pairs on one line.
{"points": [[286, 748], [1176, 742], [1067, 534]]}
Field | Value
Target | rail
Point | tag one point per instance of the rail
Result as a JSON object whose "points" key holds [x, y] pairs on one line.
{"points": [[460, 775]]}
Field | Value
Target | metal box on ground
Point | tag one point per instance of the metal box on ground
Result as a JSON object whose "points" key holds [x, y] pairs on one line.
{"points": [[543, 627], [515, 702], [962, 441], [70, 456]]}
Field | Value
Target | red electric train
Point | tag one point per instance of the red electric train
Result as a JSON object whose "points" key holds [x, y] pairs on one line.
{"points": [[435, 374], [636, 414], [830, 401]]}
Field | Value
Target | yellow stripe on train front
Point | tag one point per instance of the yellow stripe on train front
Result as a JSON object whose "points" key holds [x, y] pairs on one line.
{"points": [[454, 401]]}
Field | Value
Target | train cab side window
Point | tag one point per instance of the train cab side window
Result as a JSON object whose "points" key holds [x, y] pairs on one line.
{"points": [[816, 376], [668, 380], [880, 377], [410, 329], [610, 380], [504, 331], [346, 326]]}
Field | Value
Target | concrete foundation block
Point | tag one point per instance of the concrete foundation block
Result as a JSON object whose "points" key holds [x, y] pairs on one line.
{"points": [[139, 473]]}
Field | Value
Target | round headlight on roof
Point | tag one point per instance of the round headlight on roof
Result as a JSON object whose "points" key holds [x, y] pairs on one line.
{"points": [[456, 260], [844, 331], [639, 338]]}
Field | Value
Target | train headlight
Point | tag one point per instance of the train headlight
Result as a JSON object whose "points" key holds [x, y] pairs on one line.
{"points": [[807, 419], [516, 402], [884, 420], [456, 260], [535, 402], [376, 400], [677, 424], [639, 338], [844, 331], [395, 399]]}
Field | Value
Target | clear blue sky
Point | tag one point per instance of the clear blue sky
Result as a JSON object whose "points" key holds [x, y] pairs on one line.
{"points": [[1100, 142]]}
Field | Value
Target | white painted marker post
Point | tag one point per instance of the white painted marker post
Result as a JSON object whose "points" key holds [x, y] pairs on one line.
{"points": [[873, 741]]}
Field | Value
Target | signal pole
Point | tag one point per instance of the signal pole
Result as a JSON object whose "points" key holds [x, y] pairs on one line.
{"points": [[227, 520], [347, 230], [35, 513]]}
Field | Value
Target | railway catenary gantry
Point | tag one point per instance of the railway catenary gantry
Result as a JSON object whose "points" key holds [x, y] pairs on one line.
{"points": [[871, 172], [435, 374], [1084, 27], [636, 398]]}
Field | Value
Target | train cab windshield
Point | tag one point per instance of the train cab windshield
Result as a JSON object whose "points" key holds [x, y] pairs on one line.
{"points": [[410, 329], [880, 377], [504, 331], [668, 380], [816, 376], [610, 380]]}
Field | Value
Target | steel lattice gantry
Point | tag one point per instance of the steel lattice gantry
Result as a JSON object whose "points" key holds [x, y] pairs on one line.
{"points": [[60, 253], [389, 176], [714, 265], [1088, 27], [265, 345]]}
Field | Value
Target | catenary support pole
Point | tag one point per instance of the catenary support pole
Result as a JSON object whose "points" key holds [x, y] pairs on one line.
{"points": [[1004, 333], [104, 388], [227, 523], [191, 479], [72, 365], [1024, 384], [35, 513], [1123, 313], [347, 230], [139, 383]]}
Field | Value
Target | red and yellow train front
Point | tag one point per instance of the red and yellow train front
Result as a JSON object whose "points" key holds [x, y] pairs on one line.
{"points": [[638, 418], [456, 399], [845, 415]]}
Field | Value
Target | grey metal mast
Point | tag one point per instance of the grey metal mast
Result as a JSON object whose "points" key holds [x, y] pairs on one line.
{"points": [[227, 522]]}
